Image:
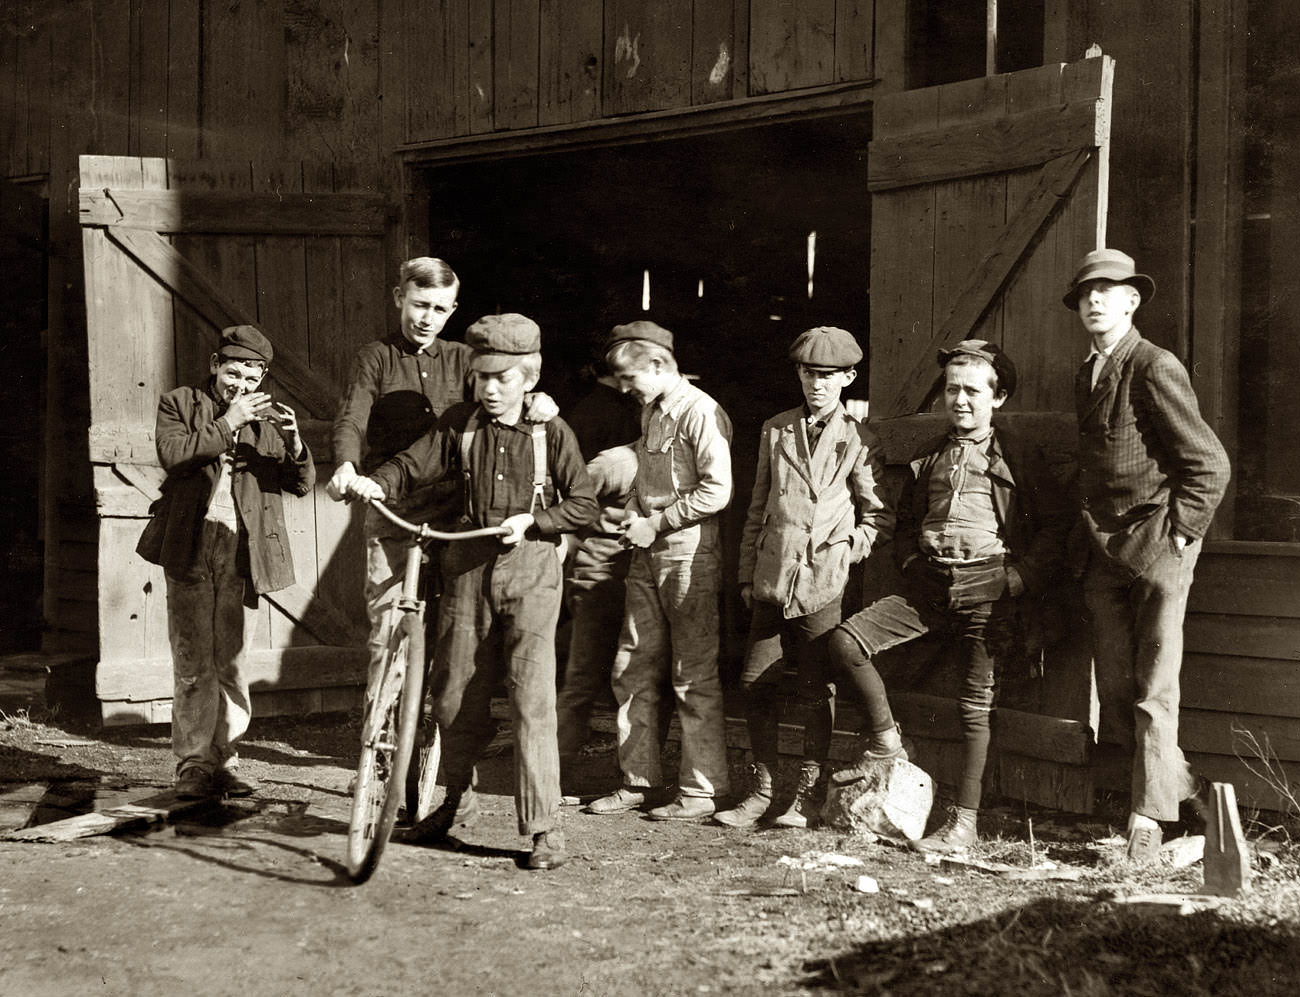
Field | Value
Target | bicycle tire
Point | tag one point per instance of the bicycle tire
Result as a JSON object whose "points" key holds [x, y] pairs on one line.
{"points": [[422, 773], [388, 735]]}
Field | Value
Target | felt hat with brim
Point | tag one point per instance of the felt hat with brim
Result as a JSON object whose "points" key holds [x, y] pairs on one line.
{"points": [[500, 341], [1108, 264], [245, 342], [643, 330], [826, 348]]}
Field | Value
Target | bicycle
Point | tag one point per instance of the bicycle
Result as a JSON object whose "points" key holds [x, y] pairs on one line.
{"points": [[391, 726]]}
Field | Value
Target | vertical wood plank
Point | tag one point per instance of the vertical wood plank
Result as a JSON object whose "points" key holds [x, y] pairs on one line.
{"points": [[647, 55], [244, 88], [791, 44], [34, 71], [428, 69], [740, 57], [893, 41], [183, 54], [713, 53], [149, 68], [482, 84], [13, 160], [855, 29], [571, 43], [515, 68], [110, 58]]}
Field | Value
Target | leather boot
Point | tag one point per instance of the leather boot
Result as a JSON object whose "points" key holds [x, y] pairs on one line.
{"points": [[756, 801], [878, 746], [956, 835], [803, 809]]}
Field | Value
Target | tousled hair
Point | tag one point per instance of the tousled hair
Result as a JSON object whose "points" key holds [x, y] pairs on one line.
{"points": [[427, 271]]}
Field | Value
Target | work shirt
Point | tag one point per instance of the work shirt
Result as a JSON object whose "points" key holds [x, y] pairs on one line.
{"points": [[961, 524], [396, 393], [501, 466], [684, 459]]}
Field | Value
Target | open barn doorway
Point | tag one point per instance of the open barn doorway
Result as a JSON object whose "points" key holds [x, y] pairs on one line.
{"points": [[736, 241]]}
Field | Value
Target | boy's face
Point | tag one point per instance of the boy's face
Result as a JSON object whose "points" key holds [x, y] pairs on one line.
{"points": [[645, 383], [234, 378], [969, 398], [1106, 307], [822, 386], [501, 392], [425, 310]]}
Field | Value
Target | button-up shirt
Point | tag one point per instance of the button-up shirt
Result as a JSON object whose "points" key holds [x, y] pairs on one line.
{"points": [[962, 524], [431, 380], [684, 458]]}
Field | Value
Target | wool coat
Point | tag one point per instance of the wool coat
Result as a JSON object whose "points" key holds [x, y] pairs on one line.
{"points": [[190, 439], [1149, 466], [812, 514]]}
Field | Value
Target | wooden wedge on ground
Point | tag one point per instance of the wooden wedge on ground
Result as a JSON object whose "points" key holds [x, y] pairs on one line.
{"points": [[150, 810], [1227, 860]]}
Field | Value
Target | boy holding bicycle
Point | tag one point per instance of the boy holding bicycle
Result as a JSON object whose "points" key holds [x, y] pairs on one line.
{"points": [[501, 598]]}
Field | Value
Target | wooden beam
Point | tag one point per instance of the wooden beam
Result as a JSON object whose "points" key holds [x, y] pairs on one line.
{"points": [[650, 126], [188, 282], [1011, 142], [993, 272], [210, 212], [149, 810]]}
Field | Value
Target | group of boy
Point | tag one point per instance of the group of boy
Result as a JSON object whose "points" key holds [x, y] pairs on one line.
{"points": [[449, 431]]}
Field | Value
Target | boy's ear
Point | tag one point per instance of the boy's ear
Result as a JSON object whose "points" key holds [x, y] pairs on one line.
{"points": [[398, 295], [850, 375], [214, 364], [530, 381]]}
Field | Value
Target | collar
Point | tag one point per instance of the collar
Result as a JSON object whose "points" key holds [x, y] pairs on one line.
{"points": [[978, 441], [671, 402], [408, 348]]}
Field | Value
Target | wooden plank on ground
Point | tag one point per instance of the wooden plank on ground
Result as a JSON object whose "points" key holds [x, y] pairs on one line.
{"points": [[148, 810], [791, 45]]}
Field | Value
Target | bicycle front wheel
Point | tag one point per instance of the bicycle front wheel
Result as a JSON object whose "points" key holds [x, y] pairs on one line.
{"points": [[388, 734]]}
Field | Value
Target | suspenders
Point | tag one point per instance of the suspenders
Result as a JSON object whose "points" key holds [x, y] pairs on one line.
{"points": [[539, 463]]}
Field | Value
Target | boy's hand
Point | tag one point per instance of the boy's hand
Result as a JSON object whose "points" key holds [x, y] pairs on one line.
{"points": [[247, 408], [540, 407], [365, 489], [344, 474], [517, 525], [638, 531], [285, 420]]}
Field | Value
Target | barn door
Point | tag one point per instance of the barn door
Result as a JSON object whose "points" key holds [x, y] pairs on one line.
{"points": [[985, 193], [173, 253]]}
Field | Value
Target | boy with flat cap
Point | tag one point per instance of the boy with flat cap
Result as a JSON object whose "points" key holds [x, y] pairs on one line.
{"points": [[501, 598], [670, 620], [1151, 474], [981, 527], [818, 506], [218, 532]]}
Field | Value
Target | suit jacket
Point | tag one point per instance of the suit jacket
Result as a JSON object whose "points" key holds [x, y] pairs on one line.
{"points": [[190, 438], [1029, 502], [812, 515], [1149, 466]]}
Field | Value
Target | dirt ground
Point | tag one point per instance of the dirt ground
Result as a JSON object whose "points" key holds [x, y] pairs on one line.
{"points": [[250, 897]]}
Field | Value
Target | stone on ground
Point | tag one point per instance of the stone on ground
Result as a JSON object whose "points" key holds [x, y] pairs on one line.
{"points": [[891, 800]]}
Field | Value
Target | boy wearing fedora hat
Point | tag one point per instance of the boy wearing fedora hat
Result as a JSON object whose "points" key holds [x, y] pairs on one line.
{"points": [[980, 532], [501, 598], [218, 532], [1151, 474], [818, 507]]}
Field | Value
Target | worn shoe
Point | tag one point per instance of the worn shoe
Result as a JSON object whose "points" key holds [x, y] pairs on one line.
{"points": [[1144, 845], [548, 851], [228, 782], [685, 808], [193, 784], [755, 803], [875, 747], [620, 801], [456, 810], [803, 809], [956, 835]]}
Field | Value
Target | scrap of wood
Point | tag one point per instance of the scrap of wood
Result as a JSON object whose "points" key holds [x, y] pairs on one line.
{"points": [[1005, 871], [1170, 903], [151, 810]]}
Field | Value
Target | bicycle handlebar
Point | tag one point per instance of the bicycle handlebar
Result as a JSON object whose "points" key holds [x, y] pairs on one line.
{"points": [[426, 532]]}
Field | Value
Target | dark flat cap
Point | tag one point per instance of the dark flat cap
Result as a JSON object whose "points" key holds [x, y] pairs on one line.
{"points": [[245, 342], [990, 352], [499, 341], [641, 329], [826, 346], [1108, 264]]}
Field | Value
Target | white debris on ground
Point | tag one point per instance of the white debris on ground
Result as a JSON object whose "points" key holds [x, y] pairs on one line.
{"points": [[820, 862]]}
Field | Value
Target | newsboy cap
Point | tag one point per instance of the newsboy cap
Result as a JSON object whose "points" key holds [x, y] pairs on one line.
{"points": [[1108, 264], [245, 342], [990, 352], [499, 341], [826, 346], [641, 329]]}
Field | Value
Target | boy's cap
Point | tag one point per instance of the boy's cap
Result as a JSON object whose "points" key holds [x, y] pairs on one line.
{"points": [[1108, 264], [990, 352], [642, 329], [499, 341], [826, 347], [245, 342]]}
